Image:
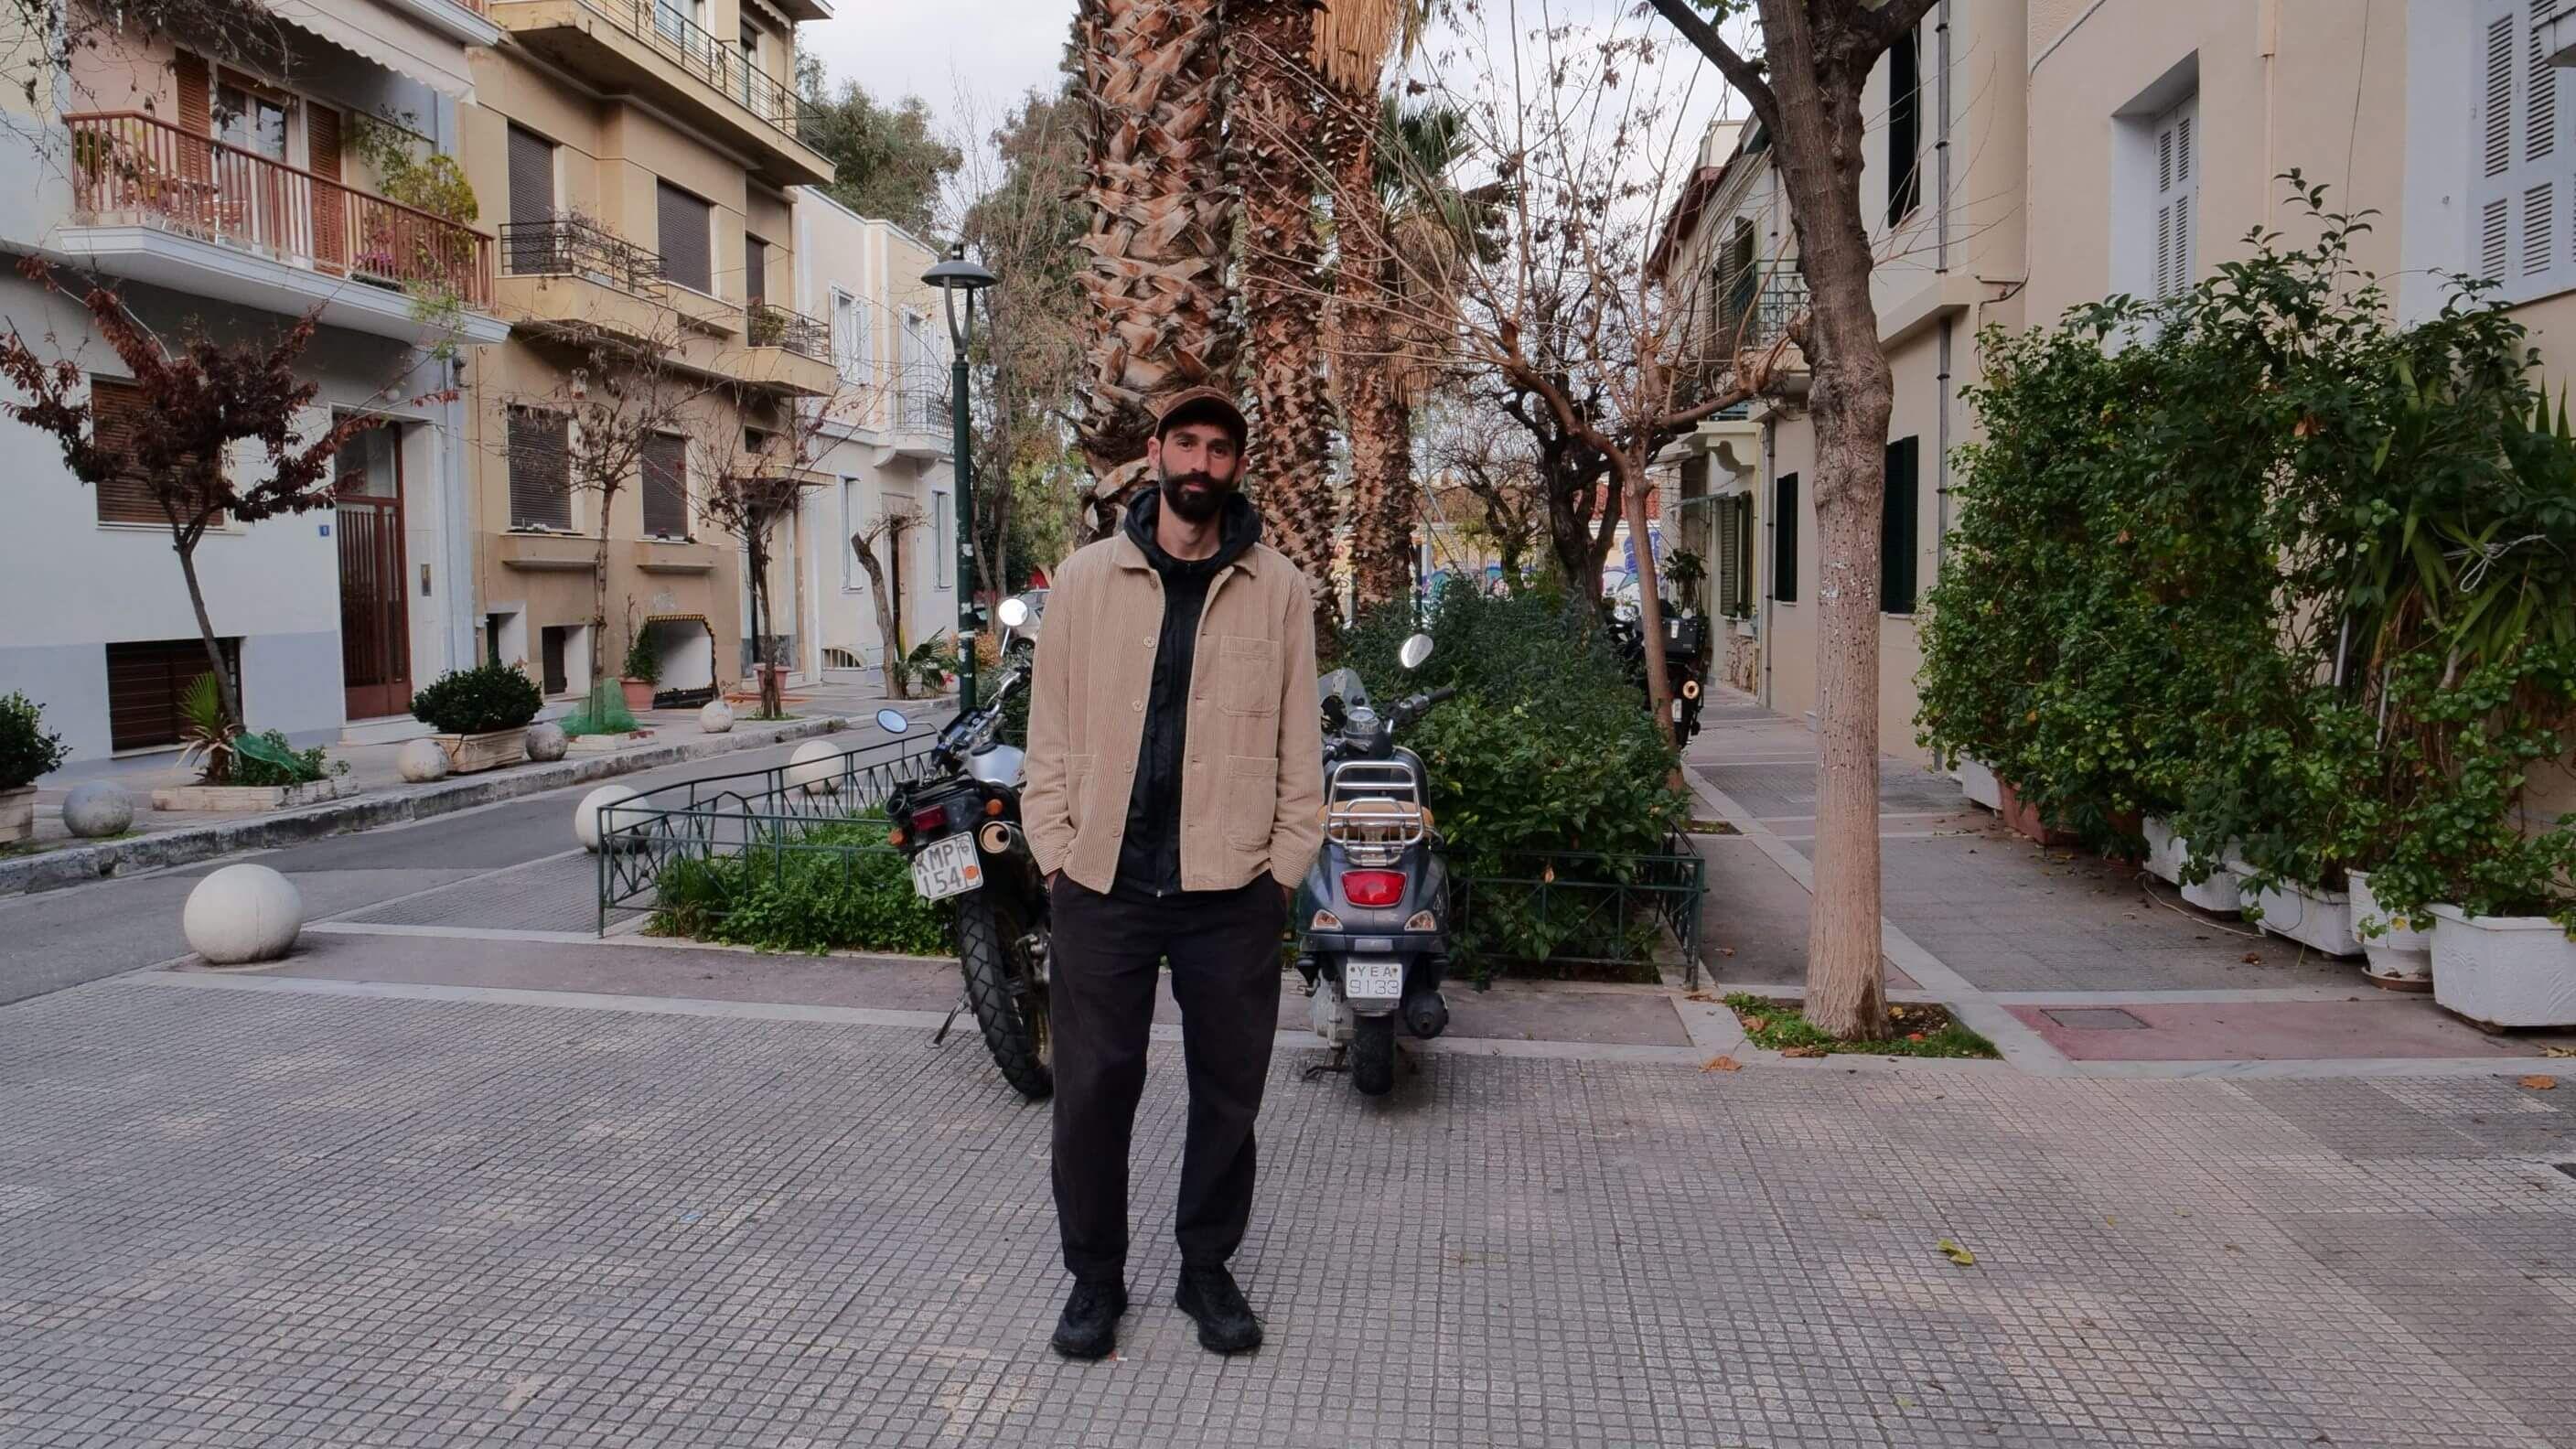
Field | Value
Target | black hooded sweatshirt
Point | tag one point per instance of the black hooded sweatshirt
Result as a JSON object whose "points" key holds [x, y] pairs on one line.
{"points": [[1149, 856]]}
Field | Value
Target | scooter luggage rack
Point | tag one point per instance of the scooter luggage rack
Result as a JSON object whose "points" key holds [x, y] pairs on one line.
{"points": [[1374, 811]]}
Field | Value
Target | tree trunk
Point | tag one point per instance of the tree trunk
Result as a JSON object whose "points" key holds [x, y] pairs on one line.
{"points": [[1848, 404], [888, 623], [1161, 224], [1365, 371], [599, 602], [227, 689], [763, 667], [1650, 604], [1274, 115]]}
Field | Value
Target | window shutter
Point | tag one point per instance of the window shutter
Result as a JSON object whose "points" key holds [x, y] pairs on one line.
{"points": [[113, 410], [1728, 564], [685, 242], [1898, 507], [145, 679], [2176, 188], [532, 176], [330, 206], [755, 271], [666, 486], [2515, 195], [540, 470], [1784, 538]]}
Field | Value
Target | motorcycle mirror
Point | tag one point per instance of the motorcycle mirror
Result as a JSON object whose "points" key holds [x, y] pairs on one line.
{"points": [[1413, 651], [1014, 613], [893, 722]]}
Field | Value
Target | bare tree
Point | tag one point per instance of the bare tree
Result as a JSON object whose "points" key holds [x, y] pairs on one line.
{"points": [[886, 533], [1492, 471]]}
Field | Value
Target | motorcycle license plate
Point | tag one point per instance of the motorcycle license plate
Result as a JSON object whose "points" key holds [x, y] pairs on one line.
{"points": [[1373, 978], [946, 868]]}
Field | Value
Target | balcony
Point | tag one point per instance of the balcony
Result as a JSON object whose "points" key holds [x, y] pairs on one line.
{"points": [[162, 205], [921, 426], [785, 350], [649, 47], [574, 278]]}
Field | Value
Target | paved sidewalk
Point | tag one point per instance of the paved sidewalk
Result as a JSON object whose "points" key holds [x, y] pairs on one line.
{"points": [[266, 1211], [2069, 961]]}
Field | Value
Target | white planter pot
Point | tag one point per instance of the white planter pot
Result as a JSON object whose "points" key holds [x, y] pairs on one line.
{"points": [[2321, 919], [2166, 851], [17, 814], [1979, 784], [607, 744], [489, 750], [248, 797], [2401, 957], [2504, 970]]}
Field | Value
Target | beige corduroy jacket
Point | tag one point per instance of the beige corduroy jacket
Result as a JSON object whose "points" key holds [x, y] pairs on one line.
{"points": [[1252, 786]]}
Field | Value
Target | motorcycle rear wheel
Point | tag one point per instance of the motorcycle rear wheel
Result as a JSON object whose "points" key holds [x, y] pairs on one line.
{"points": [[1009, 1006], [1373, 1055]]}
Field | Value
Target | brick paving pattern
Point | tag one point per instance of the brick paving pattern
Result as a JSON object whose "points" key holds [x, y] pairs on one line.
{"points": [[274, 1218]]}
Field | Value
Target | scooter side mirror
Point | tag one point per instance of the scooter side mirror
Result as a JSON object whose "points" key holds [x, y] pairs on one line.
{"points": [[893, 721], [1413, 651], [1014, 613]]}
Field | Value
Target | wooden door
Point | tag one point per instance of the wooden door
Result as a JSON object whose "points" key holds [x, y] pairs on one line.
{"points": [[375, 616]]}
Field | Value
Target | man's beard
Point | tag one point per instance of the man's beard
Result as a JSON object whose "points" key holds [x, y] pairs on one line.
{"points": [[1196, 507]]}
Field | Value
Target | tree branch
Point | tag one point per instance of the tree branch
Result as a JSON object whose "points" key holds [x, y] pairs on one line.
{"points": [[1738, 71], [1874, 30]]}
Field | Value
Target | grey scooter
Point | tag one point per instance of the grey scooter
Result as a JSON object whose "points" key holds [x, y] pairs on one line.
{"points": [[1373, 916]]}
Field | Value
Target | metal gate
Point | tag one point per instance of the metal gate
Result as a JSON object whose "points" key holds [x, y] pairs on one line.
{"points": [[375, 622]]}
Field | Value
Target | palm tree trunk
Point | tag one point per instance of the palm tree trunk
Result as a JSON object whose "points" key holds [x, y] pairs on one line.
{"points": [[1274, 111], [1365, 368], [1161, 225]]}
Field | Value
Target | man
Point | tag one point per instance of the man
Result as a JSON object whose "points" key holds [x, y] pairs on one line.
{"points": [[1175, 797]]}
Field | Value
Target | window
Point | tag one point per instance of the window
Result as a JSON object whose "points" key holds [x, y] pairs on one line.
{"points": [[2177, 190], [685, 239], [145, 681], [1735, 555], [2516, 201], [115, 409], [1784, 538], [666, 486], [1898, 505], [540, 470], [1904, 126], [532, 177], [943, 550], [850, 341], [251, 119], [755, 271]]}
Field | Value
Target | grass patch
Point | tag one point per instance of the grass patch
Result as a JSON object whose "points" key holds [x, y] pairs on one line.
{"points": [[1712, 827], [1915, 1029]]}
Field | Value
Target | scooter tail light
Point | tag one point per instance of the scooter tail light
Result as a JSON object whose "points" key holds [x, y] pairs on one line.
{"points": [[1422, 921], [895, 836], [1324, 921], [1373, 887], [929, 817]]}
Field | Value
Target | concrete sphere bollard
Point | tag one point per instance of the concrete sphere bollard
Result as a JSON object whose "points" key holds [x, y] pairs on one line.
{"points": [[815, 768], [97, 808], [547, 741], [585, 816], [716, 718], [421, 761], [241, 914]]}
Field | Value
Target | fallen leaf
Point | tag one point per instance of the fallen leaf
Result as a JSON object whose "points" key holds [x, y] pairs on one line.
{"points": [[2541, 1084], [1914, 1036], [1722, 1064], [2253, 958], [1701, 996], [1802, 1051], [2549, 1051], [1757, 1023], [1726, 950], [1956, 1254]]}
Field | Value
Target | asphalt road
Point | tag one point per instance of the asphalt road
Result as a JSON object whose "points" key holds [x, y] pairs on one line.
{"points": [[64, 938]]}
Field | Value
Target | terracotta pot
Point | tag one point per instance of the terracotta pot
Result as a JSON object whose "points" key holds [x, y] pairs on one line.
{"points": [[2024, 818], [639, 693]]}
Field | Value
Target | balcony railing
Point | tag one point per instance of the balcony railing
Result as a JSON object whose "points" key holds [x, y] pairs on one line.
{"points": [[126, 164], [668, 30], [921, 402], [571, 246], [1755, 311], [769, 326]]}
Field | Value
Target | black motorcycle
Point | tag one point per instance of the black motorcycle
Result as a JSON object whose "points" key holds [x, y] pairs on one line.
{"points": [[1685, 660], [959, 825], [1373, 915]]}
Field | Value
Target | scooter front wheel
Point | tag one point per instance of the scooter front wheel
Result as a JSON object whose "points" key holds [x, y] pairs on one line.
{"points": [[1373, 1055]]}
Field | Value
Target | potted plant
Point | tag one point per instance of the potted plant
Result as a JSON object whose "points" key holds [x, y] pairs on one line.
{"points": [[27, 752], [2397, 950], [643, 668], [479, 715]]}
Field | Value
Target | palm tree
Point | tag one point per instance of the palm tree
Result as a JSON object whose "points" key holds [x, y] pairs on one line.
{"points": [[1161, 228]]}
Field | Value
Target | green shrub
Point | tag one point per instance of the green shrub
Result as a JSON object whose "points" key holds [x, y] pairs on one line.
{"points": [[27, 750], [836, 887], [269, 758], [492, 696]]}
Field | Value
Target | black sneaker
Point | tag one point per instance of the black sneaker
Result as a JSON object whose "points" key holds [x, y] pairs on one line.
{"points": [[1089, 1325], [1226, 1324]]}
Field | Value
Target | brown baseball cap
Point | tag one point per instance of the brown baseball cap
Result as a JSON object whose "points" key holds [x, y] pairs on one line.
{"points": [[1201, 405]]}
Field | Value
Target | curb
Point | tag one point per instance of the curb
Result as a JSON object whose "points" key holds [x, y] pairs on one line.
{"points": [[74, 864]]}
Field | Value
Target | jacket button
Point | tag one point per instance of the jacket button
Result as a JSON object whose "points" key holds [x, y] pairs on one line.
{"points": [[1137, 705]]}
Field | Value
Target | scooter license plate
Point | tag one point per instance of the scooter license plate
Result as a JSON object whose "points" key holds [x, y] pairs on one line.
{"points": [[1373, 978], [946, 868]]}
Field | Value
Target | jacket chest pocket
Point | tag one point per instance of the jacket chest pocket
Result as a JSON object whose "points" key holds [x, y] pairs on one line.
{"points": [[1247, 677]]}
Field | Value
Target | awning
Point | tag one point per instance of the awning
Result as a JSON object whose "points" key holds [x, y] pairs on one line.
{"points": [[395, 40]]}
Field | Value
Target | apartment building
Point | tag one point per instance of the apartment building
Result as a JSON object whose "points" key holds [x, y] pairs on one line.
{"points": [[232, 184], [884, 442], [641, 159]]}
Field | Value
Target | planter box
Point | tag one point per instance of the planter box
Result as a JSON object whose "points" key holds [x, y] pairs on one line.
{"points": [[2501, 971], [638, 692], [2401, 958], [2166, 851], [2309, 916], [489, 750], [1979, 784], [248, 797], [2024, 819], [607, 744], [17, 814]]}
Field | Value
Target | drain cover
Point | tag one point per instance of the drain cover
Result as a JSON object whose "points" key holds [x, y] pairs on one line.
{"points": [[2095, 1018]]}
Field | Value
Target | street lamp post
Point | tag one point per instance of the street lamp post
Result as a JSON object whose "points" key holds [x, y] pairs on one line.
{"points": [[958, 280]]}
